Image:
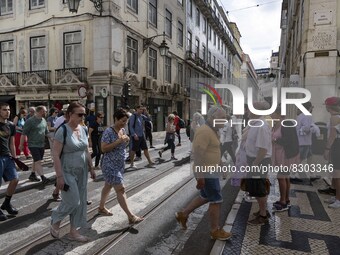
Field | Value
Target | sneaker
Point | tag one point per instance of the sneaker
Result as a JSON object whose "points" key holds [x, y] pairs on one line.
{"points": [[152, 147], [328, 191], [250, 199], [89, 202], [173, 158], [335, 205], [220, 234], [9, 208], [258, 213], [56, 197], [258, 221], [3, 217], [138, 158], [133, 166], [181, 219], [330, 200], [288, 203], [34, 178], [179, 144], [280, 207], [160, 154], [45, 180]]}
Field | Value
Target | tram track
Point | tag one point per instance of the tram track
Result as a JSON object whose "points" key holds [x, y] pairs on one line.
{"points": [[28, 246]]}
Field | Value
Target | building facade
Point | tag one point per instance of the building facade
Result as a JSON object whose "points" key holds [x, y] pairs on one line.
{"points": [[309, 50], [51, 56]]}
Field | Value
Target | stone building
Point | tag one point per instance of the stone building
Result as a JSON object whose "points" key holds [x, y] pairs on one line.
{"points": [[309, 50]]}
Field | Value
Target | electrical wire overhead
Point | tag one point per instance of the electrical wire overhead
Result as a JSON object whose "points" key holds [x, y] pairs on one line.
{"points": [[253, 6]]}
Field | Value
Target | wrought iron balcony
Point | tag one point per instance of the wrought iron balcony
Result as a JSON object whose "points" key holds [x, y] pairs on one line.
{"points": [[9, 79], [190, 55], [41, 77], [71, 75]]}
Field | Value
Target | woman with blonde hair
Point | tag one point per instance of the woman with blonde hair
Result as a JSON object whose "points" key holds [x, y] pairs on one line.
{"points": [[170, 129]]}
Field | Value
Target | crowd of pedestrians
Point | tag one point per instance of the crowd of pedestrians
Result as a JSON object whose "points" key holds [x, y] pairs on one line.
{"points": [[70, 138]]}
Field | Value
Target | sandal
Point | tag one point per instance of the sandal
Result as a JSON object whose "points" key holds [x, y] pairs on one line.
{"points": [[104, 212], [54, 232], [135, 219]]}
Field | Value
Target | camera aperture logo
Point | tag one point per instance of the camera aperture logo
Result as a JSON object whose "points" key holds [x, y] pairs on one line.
{"points": [[238, 102]]}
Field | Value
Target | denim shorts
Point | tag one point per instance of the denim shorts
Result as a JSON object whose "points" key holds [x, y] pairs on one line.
{"points": [[212, 191], [7, 169], [37, 153]]}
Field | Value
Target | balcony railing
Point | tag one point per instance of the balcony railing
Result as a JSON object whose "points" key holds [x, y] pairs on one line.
{"points": [[71, 75], [12, 77], [41, 77]]}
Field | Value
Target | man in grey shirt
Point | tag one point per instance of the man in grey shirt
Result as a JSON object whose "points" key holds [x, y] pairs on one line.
{"points": [[35, 130]]}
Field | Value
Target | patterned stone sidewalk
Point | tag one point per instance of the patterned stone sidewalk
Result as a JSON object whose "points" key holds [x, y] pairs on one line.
{"points": [[308, 227]]}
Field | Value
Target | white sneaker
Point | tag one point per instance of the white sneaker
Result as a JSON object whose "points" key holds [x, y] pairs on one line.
{"points": [[330, 200], [133, 166], [250, 199], [335, 205]]}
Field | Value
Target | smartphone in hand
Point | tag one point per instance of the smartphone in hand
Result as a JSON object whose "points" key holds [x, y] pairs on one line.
{"points": [[66, 187]]}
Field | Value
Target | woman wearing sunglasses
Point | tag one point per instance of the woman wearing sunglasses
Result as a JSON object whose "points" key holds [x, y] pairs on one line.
{"points": [[72, 161]]}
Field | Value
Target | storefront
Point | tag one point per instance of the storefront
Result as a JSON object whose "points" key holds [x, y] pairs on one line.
{"points": [[159, 110]]}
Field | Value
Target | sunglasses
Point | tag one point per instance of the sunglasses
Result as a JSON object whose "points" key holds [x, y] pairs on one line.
{"points": [[80, 114]]}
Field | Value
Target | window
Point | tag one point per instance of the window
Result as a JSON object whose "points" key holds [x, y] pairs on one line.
{"points": [[168, 23], [153, 63], [7, 57], [180, 73], [6, 7], [72, 49], [209, 58], [34, 4], [204, 25], [153, 12], [133, 5], [218, 43], [198, 17], [203, 50], [180, 33], [167, 69], [218, 65], [214, 62], [132, 54], [209, 31], [189, 6], [197, 48], [214, 38], [38, 53], [189, 46]]}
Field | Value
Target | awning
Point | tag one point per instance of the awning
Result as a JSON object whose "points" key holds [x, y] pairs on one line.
{"points": [[6, 98], [23, 97], [64, 96]]}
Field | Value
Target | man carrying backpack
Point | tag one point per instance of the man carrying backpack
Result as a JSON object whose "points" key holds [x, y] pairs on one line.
{"points": [[179, 123], [137, 135]]}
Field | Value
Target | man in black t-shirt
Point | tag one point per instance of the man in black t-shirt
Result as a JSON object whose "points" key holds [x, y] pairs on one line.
{"points": [[7, 167]]}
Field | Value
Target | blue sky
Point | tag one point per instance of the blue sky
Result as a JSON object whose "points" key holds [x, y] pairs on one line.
{"points": [[259, 27]]}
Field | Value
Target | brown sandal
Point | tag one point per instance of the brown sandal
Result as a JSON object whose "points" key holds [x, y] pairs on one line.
{"points": [[104, 212], [135, 219]]}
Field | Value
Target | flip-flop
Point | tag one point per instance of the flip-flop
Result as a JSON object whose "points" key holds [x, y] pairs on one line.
{"points": [[135, 219]]}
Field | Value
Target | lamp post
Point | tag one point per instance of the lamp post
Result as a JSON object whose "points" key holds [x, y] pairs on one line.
{"points": [[163, 48], [73, 5]]}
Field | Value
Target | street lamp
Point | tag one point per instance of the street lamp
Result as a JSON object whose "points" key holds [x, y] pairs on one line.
{"points": [[73, 5], [163, 48]]}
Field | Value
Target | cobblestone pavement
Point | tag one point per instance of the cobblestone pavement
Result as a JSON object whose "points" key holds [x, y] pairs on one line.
{"points": [[308, 227]]}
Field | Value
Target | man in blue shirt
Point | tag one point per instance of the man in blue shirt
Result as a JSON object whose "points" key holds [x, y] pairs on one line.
{"points": [[137, 135]]}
